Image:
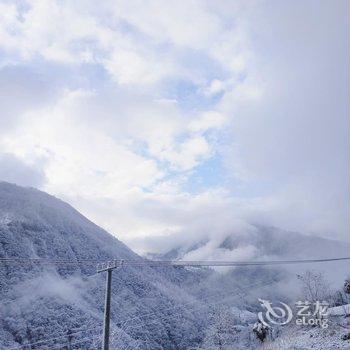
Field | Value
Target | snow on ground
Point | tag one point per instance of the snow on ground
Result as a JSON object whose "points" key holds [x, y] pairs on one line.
{"points": [[243, 316], [339, 310], [311, 338], [5, 219]]}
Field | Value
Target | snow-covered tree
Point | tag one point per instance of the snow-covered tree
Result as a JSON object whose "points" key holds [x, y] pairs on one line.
{"points": [[346, 287], [314, 286]]}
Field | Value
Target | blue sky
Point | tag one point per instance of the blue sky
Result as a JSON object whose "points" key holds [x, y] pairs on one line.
{"points": [[180, 109]]}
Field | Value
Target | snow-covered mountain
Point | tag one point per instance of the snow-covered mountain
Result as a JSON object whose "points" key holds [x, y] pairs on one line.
{"points": [[40, 225], [49, 305], [54, 306], [264, 243]]}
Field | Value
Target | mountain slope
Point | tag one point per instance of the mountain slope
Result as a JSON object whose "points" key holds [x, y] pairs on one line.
{"points": [[65, 302], [265, 243], [40, 223], [54, 306]]}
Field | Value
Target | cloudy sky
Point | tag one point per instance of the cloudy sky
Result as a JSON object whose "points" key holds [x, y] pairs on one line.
{"points": [[180, 117]]}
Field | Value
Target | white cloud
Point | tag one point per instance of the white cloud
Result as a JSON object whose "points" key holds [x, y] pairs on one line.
{"points": [[108, 166], [139, 94], [208, 120], [150, 51], [188, 153], [211, 252], [216, 86], [290, 118], [15, 171], [190, 24], [91, 163], [130, 68]]}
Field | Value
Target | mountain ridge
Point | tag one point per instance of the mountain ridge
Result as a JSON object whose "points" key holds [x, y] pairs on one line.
{"points": [[162, 308], [44, 301]]}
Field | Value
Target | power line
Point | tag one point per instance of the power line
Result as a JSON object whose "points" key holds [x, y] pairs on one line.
{"points": [[114, 264], [233, 263], [154, 263], [17, 347], [61, 346], [5, 304], [127, 321], [246, 289], [158, 263], [206, 299], [109, 266], [49, 261]]}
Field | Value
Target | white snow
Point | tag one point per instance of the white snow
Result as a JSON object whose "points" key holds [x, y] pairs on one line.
{"points": [[342, 310], [244, 316], [5, 219], [309, 338]]}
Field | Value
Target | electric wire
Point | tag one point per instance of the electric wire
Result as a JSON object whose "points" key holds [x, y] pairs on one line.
{"points": [[175, 263], [246, 289], [156, 263], [17, 347], [61, 346]]}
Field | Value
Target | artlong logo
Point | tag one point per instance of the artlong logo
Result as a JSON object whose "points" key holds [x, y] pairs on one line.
{"points": [[308, 314], [275, 315]]}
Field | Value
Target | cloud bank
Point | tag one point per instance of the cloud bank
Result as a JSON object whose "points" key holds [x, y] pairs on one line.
{"points": [[191, 118]]}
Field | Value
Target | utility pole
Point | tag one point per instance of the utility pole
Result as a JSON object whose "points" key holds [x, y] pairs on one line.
{"points": [[108, 267], [107, 311]]}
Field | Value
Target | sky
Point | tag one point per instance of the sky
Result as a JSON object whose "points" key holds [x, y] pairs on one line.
{"points": [[180, 118]]}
